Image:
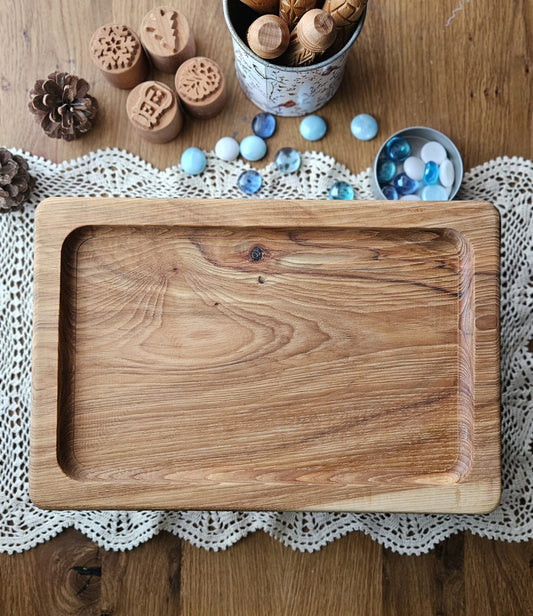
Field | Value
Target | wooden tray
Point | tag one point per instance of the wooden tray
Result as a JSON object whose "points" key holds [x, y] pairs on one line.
{"points": [[266, 355]]}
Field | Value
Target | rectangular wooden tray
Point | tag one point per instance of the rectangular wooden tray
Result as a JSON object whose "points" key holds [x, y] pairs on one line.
{"points": [[266, 355]]}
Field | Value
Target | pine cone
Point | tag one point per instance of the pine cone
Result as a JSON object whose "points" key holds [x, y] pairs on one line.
{"points": [[15, 181], [62, 106]]}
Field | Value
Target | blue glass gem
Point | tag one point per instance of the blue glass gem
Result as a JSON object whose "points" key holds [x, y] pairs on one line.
{"points": [[404, 184], [264, 125], [253, 148], [397, 149], [386, 170], [434, 192], [288, 160], [341, 191], [313, 128], [192, 161], [431, 173], [389, 192], [364, 127], [249, 182]]}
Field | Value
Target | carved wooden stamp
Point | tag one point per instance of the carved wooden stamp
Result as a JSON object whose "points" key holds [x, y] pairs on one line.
{"points": [[313, 34], [263, 6], [201, 87], [268, 36], [167, 38], [344, 12], [292, 10], [117, 52], [154, 112]]}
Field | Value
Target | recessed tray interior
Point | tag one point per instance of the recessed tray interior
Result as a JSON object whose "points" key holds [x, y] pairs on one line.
{"points": [[219, 354]]}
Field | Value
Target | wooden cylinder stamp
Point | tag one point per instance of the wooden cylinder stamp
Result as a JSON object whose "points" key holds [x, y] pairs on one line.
{"points": [[314, 33], [154, 111], [167, 38], [263, 6], [268, 36], [117, 52], [201, 87], [292, 10]]}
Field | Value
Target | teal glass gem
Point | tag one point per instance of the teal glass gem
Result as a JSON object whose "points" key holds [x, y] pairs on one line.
{"points": [[193, 161], [386, 170], [253, 148], [364, 127], [288, 160], [264, 125], [249, 182], [389, 192], [397, 149], [341, 191], [404, 184], [431, 172]]}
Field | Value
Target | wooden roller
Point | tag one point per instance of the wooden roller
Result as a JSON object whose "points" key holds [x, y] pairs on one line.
{"points": [[268, 36], [314, 33]]}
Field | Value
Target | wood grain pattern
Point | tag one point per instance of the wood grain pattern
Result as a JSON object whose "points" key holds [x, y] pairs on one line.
{"points": [[474, 82], [303, 356]]}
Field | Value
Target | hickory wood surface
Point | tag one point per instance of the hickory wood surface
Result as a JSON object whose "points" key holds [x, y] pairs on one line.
{"points": [[473, 81], [289, 384]]}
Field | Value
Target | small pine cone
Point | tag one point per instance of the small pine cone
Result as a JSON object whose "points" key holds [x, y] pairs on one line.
{"points": [[15, 181], [62, 106]]}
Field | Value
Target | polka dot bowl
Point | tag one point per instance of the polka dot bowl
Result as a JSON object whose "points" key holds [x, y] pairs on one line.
{"points": [[417, 137]]}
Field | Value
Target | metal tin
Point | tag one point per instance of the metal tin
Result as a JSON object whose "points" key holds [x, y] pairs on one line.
{"points": [[417, 136], [283, 90]]}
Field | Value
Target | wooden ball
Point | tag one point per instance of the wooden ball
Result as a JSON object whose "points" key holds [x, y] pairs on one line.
{"points": [[268, 36], [263, 6]]}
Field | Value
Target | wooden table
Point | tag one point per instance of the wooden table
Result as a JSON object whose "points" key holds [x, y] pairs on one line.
{"points": [[462, 67]]}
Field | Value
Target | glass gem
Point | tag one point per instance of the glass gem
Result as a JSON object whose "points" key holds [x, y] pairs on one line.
{"points": [[389, 192], [341, 191], [227, 149], [249, 181], [253, 148], [404, 184], [192, 161], [288, 160], [397, 149], [414, 168], [434, 192], [446, 173], [433, 150], [264, 125], [410, 198], [431, 172], [313, 128], [364, 127], [386, 170]]}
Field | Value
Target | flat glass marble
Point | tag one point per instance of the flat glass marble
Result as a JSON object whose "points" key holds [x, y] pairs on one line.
{"points": [[431, 172], [404, 184], [389, 192], [249, 182], [264, 125], [341, 191], [364, 127], [253, 148], [386, 170], [288, 160], [313, 128], [193, 161], [397, 149]]}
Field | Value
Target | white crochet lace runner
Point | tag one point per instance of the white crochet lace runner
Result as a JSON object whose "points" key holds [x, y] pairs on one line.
{"points": [[505, 182]]}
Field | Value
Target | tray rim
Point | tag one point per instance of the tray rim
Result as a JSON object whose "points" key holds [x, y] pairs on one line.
{"points": [[57, 218]]}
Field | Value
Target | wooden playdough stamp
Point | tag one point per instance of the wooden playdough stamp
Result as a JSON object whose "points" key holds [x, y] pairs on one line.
{"points": [[117, 52], [200, 86], [167, 37], [152, 103]]}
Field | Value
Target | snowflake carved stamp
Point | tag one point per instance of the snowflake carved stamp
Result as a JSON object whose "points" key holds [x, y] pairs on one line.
{"points": [[117, 52], [200, 86], [114, 47]]}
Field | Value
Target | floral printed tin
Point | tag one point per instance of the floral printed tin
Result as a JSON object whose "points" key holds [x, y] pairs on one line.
{"points": [[283, 90]]}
